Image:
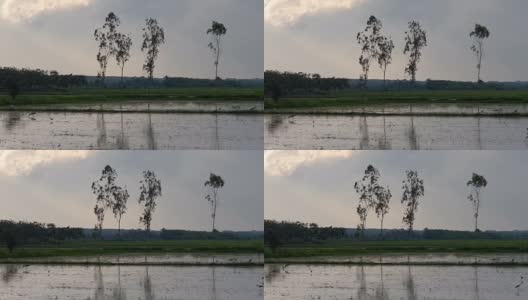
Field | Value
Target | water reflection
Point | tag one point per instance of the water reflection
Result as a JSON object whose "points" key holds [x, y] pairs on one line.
{"points": [[13, 118], [10, 272], [396, 132]]}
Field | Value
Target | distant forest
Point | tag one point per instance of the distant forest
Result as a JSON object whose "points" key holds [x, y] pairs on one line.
{"points": [[37, 80], [280, 84], [13, 234], [277, 233]]}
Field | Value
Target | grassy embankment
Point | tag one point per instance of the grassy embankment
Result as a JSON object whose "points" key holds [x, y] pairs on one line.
{"points": [[353, 248], [361, 98], [94, 248], [97, 95]]}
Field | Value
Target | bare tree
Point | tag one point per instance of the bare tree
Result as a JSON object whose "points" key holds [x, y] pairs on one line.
{"points": [[106, 37], [153, 37], [215, 183], [383, 196], [217, 30], [386, 45], [479, 34], [104, 189], [122, 54], [120, 205], [415, 40], [477, 182], [369, 39], [413, 189], [150, 190], [368, 188]]}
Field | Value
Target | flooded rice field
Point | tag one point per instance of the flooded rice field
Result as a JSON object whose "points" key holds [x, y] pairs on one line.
{"points": [[134, 131], [149, 259], [129, 282], [395, 132], [394, 282]]}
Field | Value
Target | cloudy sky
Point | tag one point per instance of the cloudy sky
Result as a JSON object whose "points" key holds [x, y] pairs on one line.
{"points": [[58, 35], [318, 186], [320, 36], [54, 186]]}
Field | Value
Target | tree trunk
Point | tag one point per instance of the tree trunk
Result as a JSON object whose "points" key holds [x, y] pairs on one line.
{"points": [[122, 71], [384, 81]]}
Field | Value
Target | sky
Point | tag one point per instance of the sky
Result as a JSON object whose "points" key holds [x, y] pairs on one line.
{"points": [[318, 186], [55, 187], [319, 36], [58, 35]]}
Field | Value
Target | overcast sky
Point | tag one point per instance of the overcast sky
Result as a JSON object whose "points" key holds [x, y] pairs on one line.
{"points": [[319, 36], [58, 35], [54, 186], [318, 186]]}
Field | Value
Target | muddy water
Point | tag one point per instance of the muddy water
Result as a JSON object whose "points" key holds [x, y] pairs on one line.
{"points": [[130, 282], [395, 282], [395, 132], [141, 131]]}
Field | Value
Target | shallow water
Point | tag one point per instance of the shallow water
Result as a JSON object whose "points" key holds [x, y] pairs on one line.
{"points": [[130, 282], [135, 131], [394, 282], [308, 132], [150, 259]]}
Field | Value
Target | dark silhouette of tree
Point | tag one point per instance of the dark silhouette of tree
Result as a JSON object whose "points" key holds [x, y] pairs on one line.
{"points": [[276, 91], [11, 242], [119, 206], [369, 39], [150, 190], [476, 183], [479, 34], [217, 30], [106, 37], [215, 183], [123, 44], [413, 189], [383, 196], [104, 189], [13, 88], [368, 189], [386, 45], [415, 40], [153, 37]]}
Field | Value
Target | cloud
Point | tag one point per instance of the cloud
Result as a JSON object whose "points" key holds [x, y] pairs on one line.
{"points": [[284, 163], [20, 10], [22, 163], [288, 12]]}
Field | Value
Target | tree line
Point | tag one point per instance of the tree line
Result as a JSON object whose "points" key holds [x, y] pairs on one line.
{"points": [[14, 233], [278, 233], [113, 44], [375, 197], [112, 197]]}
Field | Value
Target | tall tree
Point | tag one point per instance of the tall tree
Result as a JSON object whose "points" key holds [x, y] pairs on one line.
{"points": [[368, 189], [123, 44], [383, 196], [104, 189], [106, 37], [476, 183], [153, 37], [386, 45], [120, 205], [479, 34], [217, 30], [413, 189], [215, 183], [150, 190], [415, 40], [369, 40]]}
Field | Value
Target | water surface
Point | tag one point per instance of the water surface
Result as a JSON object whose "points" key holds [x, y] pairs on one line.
{"points": [[130, 282], [135, 131], [394, 282], [395, 132]]}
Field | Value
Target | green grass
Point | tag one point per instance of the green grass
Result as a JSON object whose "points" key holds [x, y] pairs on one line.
{"points": [[95, 95], [92, 247], [350, 248], [361, 98]]}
